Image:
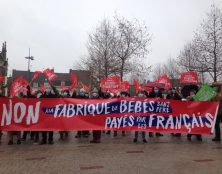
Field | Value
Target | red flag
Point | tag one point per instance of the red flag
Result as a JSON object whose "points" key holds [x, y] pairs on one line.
{"points": [[36, 74], [165, 80], [146, 88], [189, 77], [43, 89], [1, 79], [86, 88], [136, 85], [18, 86], [74, 82], [124, 86], [110, 83], [51, 76]]}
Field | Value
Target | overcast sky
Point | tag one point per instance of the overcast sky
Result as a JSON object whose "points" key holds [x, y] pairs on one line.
{"points": [[57, 30]]}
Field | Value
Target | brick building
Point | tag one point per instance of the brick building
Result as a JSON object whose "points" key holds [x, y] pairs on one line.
{"points": [[62, 79]]}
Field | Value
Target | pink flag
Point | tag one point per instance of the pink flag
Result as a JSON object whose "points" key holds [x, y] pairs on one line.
{"points": [[36, 74], [136, 85], [124, 86], [165, 80], [110, 83], [146, 88], [51, 76], [189, 78], [74, 82], [18, 85]]}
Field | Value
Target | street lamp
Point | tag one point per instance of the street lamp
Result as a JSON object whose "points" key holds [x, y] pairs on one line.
{"points": [[29, 61]]}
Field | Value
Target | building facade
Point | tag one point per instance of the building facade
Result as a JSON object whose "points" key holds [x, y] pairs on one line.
{"points": [[3, 61], [3, 67], [63, 79]]}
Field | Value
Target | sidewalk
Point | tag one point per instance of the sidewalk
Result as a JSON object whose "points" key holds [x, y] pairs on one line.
{"points": [[115, 155]]}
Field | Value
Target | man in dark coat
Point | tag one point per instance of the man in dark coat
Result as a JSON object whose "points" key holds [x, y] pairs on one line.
{"points": [[48, 94], [35, 134], [156, 93], [25, 133], [190, 98], [174, 95], [82, 95], [140, 94], [96, 133], [122, 94], [64, 134]]}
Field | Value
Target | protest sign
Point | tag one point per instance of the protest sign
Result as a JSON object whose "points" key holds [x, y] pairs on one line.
{"points": [[67, 114]]}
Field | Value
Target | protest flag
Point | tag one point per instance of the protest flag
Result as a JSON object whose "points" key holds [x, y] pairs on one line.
{"points": [[51, 76], [36, 74]]}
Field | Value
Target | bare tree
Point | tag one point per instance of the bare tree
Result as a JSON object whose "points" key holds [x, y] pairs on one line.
{"points": [[188, 58], [113, 48], [139, 71], [101, 60], [132, 41], [204, 53], [172, 68], [158, 70], [208, 40]]}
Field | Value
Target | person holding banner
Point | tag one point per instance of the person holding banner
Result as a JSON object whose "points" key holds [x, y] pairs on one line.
{"points": [[218, 98], [96, 133], [82, 95], [122, 94], [64, 134], [155, 93], [48, 94], [17, 133], [74, 94], [106, 95], [190, 98], [174, 95], [86, 133], [25, 133], [11, 134], [38, 94], [141, 94]]}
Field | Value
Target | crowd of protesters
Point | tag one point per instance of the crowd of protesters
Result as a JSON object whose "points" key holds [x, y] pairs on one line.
{"points": [[46, 137]]}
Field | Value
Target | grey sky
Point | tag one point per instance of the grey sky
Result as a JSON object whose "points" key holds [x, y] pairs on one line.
{"points": [[57, 30]]}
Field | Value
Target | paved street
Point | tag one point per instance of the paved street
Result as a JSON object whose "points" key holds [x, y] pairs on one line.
{"points": [[116, 155]]}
